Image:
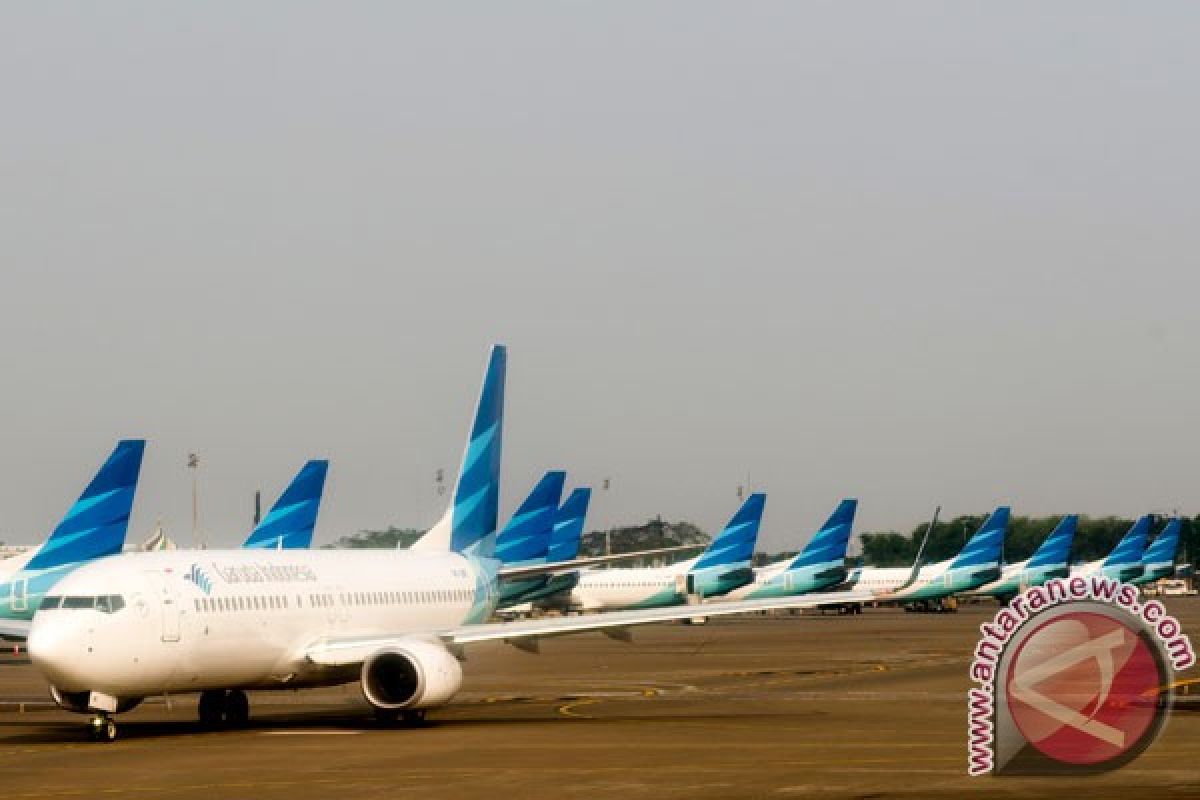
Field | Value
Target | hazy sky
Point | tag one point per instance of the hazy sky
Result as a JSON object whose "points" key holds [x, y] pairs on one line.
{"points": [[914, 252]]}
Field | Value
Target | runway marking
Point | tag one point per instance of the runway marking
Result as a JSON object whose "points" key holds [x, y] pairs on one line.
{"points": [[568, 710], [309, 733]]}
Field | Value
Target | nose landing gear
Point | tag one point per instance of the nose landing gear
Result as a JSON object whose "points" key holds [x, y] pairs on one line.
{"points": [[101, 728]]}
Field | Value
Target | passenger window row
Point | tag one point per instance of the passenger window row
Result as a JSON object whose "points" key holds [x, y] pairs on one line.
{"points": [[242, 603], [278, 602]]}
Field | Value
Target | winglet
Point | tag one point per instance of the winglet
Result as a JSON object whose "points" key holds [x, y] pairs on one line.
{"points": [[470, 522], [527, 534], [96, 524], [830, 542], [919, 561], [735, 544], [290, 523]]}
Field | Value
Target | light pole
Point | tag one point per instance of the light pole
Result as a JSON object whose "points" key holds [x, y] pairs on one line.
{"points": [[193, 463]]}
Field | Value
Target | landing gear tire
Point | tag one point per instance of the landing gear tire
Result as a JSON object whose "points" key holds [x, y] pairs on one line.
{"points": [[211, 708], [237, 709], [102, 729], [412, 719], [223, 709], [386, 716]]}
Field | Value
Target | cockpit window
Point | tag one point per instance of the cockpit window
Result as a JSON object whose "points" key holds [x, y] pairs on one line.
{"points": [[110, 603], [107, 603], [50, 601]]}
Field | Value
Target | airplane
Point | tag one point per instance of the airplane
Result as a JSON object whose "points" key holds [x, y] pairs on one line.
{"points": [[927, 587], [820, 565], [94, 527], [1159, 561], [219, 622], [291, 521], [723, 566], [1050, 560], [1124, 563]]}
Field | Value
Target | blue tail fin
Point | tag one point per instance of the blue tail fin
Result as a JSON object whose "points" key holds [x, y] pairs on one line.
{"points": [[568, 527], [1131, 547], [527, 535], [1164, 547], [829, 543], [470, 523], [96, 525], [1056, 550], [290, 522], [735, 544], [985, 546]]}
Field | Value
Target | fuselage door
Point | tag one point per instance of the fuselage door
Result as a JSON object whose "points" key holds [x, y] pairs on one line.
{"points": [[20, 594], [164, 595]]}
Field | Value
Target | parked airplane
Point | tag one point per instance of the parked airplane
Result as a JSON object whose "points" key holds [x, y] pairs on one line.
{"points": [[291, 521], [95, 526], [722, 567], [977, 564], [820, 565], [1051, 560], [1124, 563], [1159, 561], [219, 622]]}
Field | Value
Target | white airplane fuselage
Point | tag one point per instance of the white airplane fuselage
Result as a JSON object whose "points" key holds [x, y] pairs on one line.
{"points": [[192, 621]]}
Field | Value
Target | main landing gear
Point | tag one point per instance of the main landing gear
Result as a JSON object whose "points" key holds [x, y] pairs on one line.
{"points": [[407, 719], [220, 708], [101, 728]]}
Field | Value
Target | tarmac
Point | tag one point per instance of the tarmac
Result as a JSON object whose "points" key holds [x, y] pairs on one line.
{"points": [[872, 706]]}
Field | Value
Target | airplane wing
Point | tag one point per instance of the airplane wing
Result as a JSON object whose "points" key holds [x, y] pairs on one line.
{"points": [[14, 630], [517, 573], [348, 651]]}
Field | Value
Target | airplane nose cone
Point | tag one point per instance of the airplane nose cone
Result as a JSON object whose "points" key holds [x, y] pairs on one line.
{"points": [[55, 651]]}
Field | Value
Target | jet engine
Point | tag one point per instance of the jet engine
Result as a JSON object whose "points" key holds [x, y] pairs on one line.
{"points": [[412, 674]]}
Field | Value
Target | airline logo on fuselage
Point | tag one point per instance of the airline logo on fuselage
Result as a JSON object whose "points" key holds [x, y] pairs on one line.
{"points": [[199, 577]]}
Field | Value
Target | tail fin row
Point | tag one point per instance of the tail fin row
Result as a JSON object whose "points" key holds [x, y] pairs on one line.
{"points": [[1132, 546], [736, 542], [1056, 549], [986, 545], [470, 523], [830, 542], [526, 537], [1164, 547], [290, 522], [568, 527], [96, 524]]}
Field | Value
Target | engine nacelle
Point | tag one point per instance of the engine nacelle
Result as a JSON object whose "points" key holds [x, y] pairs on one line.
{"points": [[412, 674]]}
